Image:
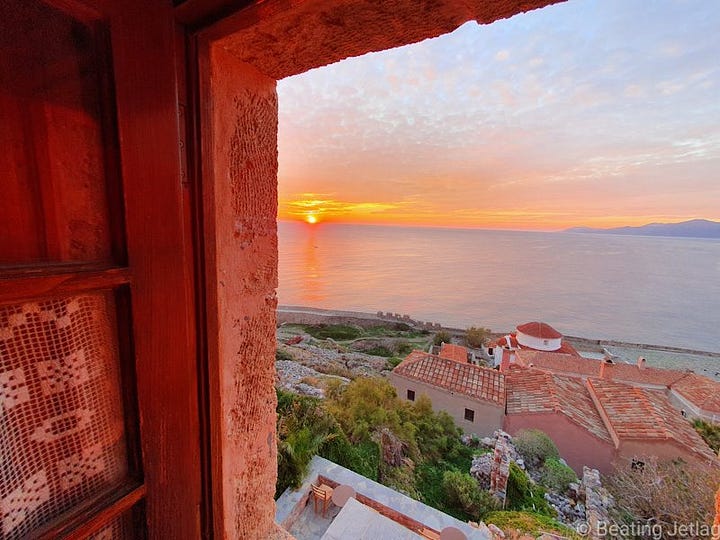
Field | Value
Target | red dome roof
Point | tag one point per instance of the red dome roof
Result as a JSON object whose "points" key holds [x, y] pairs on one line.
{"points": [[539, 330]]}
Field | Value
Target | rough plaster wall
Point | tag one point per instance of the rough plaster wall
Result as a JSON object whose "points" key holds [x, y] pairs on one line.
{"points": [[272, 40], [577, 446], [244, 198], [291, 37], [716, 536]]}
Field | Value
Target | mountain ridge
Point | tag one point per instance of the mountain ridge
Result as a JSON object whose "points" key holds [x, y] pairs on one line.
{"points": [[694, 228]]}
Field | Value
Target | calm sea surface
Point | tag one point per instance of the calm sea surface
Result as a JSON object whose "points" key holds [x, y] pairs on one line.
{"points": [[662, 291]]}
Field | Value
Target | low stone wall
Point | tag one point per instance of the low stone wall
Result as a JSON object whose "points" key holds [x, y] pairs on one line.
{"points": [[597, 502], [301, 315]]}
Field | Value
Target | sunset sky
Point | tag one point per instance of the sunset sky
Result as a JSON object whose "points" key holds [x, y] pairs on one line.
{"points": [[599, 113]]}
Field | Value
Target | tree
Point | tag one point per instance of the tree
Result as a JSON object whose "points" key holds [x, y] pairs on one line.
{"points": [[475, 337], [442, 337], [665, 493]]}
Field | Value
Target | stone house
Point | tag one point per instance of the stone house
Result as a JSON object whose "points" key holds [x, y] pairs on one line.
{"points": [[474, 396]]}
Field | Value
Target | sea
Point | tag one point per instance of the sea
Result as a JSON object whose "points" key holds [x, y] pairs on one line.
{"points": [[649, 290]]}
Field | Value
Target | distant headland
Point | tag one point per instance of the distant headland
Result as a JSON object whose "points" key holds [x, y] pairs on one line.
{"points": [[694, 228]]}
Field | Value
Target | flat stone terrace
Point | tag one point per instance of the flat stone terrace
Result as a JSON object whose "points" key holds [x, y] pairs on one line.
{"points": [[292, 504]]}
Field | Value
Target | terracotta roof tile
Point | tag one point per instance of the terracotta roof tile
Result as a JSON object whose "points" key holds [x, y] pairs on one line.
{"points": [[539, 330], [559, 363], [704, 393], [587, 367], [469, 379], [640, 414], [453, 352], [648, 375], [535, 391]]}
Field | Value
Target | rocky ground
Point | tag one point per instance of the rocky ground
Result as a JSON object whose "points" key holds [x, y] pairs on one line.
{"points": [[305, 363]]}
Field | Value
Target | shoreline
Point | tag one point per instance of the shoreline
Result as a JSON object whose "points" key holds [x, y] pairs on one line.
{"points": [[311, 315]]}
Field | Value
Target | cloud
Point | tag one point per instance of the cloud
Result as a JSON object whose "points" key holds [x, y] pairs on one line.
{"points": [[599, 105], [503, 55]]}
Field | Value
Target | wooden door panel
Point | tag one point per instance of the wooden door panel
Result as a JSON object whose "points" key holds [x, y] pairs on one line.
{"points": [[52, 101], [96, 295]]}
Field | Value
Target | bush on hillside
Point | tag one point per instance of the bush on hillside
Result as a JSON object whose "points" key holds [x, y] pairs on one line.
{"points": [[463, 491], [338, 332], [529, 523], [476, 336], [556, 476], [535, 447], [303, 426], [709, 432], [441, 337], [523, 494]]}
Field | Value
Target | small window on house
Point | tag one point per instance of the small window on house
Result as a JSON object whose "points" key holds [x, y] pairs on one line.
{"points": [[490, 351], [637, 464], [469, 415], [684, 413], [411, 395], [545, 342]]}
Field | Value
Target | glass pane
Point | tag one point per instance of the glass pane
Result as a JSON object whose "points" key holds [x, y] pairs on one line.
{"points": [[121, 528], [52, 165], [62, 436]]}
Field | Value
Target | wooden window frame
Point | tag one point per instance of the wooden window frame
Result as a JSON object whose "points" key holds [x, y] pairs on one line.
{"points": [[153, 257]]}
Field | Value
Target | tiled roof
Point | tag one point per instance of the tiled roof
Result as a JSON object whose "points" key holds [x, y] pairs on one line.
{"points": [[565, 347], [648, 375], [453, 352], [704, 393], [559, 363], [535, 391], [539, 330], [635, 413], [471, 380], [587, 367]]}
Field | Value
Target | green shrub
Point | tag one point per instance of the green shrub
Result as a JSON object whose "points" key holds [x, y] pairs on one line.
{"points": [[556, 476], [535, 447], [709, 432], [393, 362], [380, 350], [463, 492], [529, 523], [441, 337], [363, 458], [338, 332], [522, 494], [281, 354], [475, 337], [404, 348]]}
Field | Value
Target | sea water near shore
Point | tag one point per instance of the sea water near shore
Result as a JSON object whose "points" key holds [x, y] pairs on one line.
{"points": [[663, 291]]}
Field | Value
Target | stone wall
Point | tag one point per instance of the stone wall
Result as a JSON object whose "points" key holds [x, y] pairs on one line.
{"points": [[597, 502], [241, 57], [241, 270]]}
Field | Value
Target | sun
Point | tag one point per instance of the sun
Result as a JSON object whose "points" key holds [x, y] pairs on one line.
{"points": [[311, 219]]}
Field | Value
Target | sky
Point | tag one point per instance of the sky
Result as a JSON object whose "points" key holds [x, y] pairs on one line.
{"points": [[598, 113]]}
